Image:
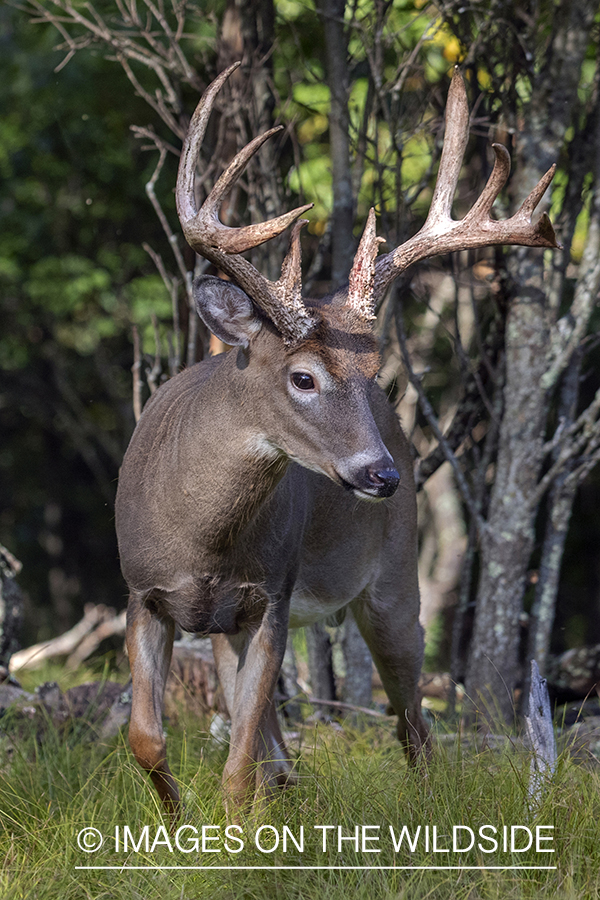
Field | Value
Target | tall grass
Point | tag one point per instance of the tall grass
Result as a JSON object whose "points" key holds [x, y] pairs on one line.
{"points": [[52, 785]]}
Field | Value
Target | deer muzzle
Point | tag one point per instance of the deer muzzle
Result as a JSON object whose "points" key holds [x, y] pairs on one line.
{"points": [[369, 480]]}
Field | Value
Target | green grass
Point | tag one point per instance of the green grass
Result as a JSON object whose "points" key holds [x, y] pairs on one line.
{"points": [[53, 787]]}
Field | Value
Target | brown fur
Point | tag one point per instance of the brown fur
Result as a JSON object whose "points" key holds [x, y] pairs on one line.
{"points": [[220, 531]]}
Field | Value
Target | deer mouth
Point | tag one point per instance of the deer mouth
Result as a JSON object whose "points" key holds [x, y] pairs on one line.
{"points": [[345, 484], [377, 488], [374, 481]]}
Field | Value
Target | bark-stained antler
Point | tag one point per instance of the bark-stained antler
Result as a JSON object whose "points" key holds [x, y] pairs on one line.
{"points": [[205, 233], [443, 234], [362, 276]]}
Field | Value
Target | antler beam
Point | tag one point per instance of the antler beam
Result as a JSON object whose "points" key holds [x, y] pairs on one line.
{"points": [[443, 234], [281, 300]]}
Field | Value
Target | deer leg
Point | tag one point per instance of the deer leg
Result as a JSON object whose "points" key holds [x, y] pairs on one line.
{"points": [[276, 764], [149, 645], [226, 655], [248, 665], [394, 636]]}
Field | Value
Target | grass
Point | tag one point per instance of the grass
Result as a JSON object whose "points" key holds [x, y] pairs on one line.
{"points": [[50, 789]]}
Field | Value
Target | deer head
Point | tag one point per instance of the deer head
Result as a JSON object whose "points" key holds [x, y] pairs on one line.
{"points": [[312, 365]]}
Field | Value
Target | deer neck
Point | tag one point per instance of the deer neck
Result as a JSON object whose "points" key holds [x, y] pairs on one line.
{"points": [[239, 474]]}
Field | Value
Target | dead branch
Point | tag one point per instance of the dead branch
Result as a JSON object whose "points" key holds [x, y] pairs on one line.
{"points": [[186, 275], [150, 42], [154, 373], [338, 704], [137, 381], [571, 445], [432, 420], [157, 142], [172, 286], [98, 618], [540, 735], [112, 627]]}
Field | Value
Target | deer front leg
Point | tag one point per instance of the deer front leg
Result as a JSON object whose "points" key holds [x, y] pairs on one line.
{"points": [[276, 765], [394, 636], [248, 665], [149, 645]]}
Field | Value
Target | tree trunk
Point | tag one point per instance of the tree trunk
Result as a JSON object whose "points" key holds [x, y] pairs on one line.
{"points": [[559, 507], [508, 539], [342, 217], [318, 645], [11, 608]]}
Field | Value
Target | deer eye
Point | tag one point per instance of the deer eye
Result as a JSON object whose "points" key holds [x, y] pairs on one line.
{"points": [[303, 381]]}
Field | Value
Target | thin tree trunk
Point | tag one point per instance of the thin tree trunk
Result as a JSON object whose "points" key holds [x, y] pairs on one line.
{"points": [[288, 683], [320, 667], [359, 665], [342, 217], [11, 608], [560, 505], [507, 543]]}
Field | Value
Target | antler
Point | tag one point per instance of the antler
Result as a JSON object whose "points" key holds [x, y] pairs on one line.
{"points": [[362, 276], [443, 234], [205, 233]]}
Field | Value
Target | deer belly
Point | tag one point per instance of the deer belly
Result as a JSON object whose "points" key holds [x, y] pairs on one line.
{"points": [[329, 581], [308, 607]]}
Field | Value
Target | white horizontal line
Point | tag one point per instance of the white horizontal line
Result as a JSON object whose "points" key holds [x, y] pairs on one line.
{"points": [[337, 868]]}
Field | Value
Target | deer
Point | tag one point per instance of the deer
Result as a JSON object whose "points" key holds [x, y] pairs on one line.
{"points": [[272, 486]]}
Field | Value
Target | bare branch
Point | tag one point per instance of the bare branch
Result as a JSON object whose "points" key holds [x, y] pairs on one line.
{"points": [[153, 374], [137, 381], [571, 329], [172, 286], [570, 445], [157, 142], [429, 414]]}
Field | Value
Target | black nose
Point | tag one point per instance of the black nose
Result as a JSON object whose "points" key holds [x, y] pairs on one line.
{"points": [[384, 478]]}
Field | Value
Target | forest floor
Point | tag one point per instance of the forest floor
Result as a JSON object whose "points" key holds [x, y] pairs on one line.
{"points": [[359, 822]]}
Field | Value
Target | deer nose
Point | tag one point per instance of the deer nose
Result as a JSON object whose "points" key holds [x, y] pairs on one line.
{"points": [[384, 478]]}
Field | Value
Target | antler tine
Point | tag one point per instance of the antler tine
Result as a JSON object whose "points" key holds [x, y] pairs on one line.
{"points": [[495, 183], [362, 276], [441, 233], [455, 143], [291, 268], [531, 201], [184, 195], [206, 227], [291, 317], [221, 245]]}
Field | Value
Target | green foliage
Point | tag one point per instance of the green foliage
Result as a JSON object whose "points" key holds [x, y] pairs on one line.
{"points": [[73, 280]]}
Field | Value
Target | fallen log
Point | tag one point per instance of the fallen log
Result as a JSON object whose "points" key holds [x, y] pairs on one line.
{"points": [[103, 707], [193, 682], [574, 674], [98, 623]]}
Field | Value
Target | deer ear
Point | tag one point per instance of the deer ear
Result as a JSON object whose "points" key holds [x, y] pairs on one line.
{"points": [[226, 309]]}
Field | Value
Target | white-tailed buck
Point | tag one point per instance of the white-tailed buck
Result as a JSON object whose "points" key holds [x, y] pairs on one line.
{"points": [[241, 508]]}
